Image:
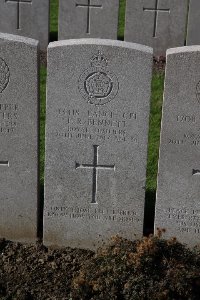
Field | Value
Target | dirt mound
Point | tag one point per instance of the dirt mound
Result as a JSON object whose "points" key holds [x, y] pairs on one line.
{"points": [[151, 268]]}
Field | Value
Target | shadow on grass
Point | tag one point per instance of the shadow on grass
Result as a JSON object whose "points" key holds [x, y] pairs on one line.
{"points": [[40, 212], [149, 212], [120, 37], [53, 36]]}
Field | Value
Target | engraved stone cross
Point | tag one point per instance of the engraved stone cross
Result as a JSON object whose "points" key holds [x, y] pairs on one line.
{"points": [[18, 8], [88, 6], [95, 167], [156, 10]]}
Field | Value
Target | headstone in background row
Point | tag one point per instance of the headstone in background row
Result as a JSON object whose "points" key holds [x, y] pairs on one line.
{"points": [[178, 193], [160, 24], [18, 138], [193, 32], [98, 94], [88, 19], [28, 18]]}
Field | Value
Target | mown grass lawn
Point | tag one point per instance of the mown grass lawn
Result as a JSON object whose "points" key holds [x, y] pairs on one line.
{"points": [[156, 104]]}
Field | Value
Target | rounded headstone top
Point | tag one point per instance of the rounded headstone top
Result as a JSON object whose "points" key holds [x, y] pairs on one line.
{"points": [[104, 42], [17, 38], [185, 49]]}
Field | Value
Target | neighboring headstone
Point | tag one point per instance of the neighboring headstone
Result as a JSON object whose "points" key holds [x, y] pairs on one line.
{"points": [[98, 96], [18, 138], [160, 24], [88, 19], [193, 32], [177, 207], [28, 18]]}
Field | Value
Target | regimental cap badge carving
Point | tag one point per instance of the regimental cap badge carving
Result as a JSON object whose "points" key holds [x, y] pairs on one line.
{"points": [[198, 92], [99, 60], [4, 75], [98, 85]]}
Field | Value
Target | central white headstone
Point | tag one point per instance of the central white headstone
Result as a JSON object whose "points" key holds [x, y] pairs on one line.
{"points": [[98, 94]]}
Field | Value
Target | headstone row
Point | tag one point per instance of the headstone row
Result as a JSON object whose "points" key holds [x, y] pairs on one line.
{"points": [[160, 24], [98, 96]]}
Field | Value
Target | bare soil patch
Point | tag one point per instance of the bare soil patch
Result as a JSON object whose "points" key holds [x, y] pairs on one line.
{"points": [[151, 269]]}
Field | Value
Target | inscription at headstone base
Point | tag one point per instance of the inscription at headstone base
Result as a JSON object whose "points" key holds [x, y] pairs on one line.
{"points": [[178, 193], [28, 18], [157, 23], [18, 138], [98, 95], [88, 19]]}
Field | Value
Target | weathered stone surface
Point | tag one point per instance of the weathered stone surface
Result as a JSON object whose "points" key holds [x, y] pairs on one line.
{"points": [[18, 137], [96, 146], [157, 23], [193, 33], [177, 207], [88, 19], [28, 18]]}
